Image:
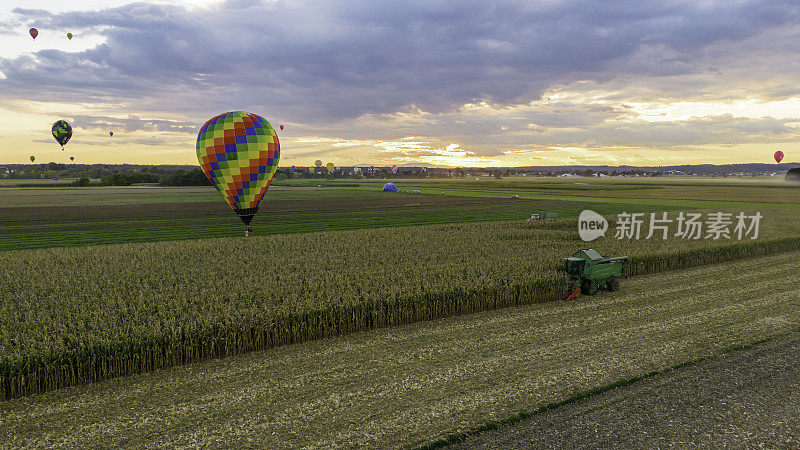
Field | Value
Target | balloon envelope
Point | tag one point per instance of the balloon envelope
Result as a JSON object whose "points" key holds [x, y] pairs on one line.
{"points": [[394, 168], [111, 133], [281, 126], [390, 187], [330, 167], [33, 158], [778, 156], [72, 158], [318, 163], [239, 153], [34, 32], [62, 132], [69, 36]]}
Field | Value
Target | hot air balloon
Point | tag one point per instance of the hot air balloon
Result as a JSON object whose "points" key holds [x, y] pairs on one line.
{"points": [[33, 158], [394, 168], [34, 32], [281, 126], [779, 156], [72, 158], [62, 131], [330, 167], [311, 170], [293, 168], [69, 36], [318, 163], [390, 187], [239, 153], [111, 133]]}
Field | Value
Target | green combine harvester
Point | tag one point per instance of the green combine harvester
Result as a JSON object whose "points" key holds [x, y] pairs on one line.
{"points": [[589, 272]]}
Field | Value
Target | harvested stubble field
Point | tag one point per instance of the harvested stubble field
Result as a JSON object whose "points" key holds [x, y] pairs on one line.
{"points": [[413, 384], [71, 316]]}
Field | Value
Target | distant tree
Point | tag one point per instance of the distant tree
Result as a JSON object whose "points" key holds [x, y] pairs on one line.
{"points": [[793, 174], [180, 177], [498, 174], [83, 181], [280, 176], [128, 178]]}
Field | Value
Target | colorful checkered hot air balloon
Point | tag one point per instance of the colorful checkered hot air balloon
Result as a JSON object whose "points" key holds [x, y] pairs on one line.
{"points": [[239, 153], [394, 168]]}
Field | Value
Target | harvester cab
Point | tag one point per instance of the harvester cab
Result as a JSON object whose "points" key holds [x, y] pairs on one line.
{"points": [[588, 272]]}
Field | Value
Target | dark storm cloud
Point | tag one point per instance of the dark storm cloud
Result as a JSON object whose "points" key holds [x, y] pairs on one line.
{"points": [[317, 62]]}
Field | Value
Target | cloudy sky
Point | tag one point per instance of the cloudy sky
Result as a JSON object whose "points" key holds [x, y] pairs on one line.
{"points": [[447, 83]]}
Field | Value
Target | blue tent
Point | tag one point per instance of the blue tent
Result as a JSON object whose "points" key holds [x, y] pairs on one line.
{"points": [[390, 187]]}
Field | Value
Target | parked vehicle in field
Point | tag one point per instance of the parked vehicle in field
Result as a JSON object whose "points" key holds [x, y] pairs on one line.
{"points": [[588, 272], [545, 215]]}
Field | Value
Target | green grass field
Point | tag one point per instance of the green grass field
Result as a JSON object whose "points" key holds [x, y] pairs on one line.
{"points": [[66, 216]]}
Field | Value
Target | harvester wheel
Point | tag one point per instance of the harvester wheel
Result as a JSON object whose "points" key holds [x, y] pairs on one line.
{"points": [[588, 287], [613, 284]]}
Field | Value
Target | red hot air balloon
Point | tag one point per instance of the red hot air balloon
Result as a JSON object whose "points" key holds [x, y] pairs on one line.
{"points": [[281, 127], [34, 32], [778, 156]]}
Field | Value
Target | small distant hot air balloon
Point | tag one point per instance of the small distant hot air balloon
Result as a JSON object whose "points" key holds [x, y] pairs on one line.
{"points": [[62, 132], [69, 36], [34, 32], [330, 167], [778, 156], [33, 158], [293, 168], [72, 158], [310, 170], [281, 126], [318, 163], [239, 154], [111, 133], [394, 168]]}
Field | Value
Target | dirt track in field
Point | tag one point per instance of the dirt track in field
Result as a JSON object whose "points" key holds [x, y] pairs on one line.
{"points": [[749, 398]]}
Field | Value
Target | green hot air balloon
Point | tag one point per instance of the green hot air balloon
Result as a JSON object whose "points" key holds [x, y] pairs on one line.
{"points": [[33, 158], [69, 36], [330, 167], [62, 131], [311, 170], [239, 153]]}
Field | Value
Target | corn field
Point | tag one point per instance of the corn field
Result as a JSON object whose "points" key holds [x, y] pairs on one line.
{"points": [[79, 315]]}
